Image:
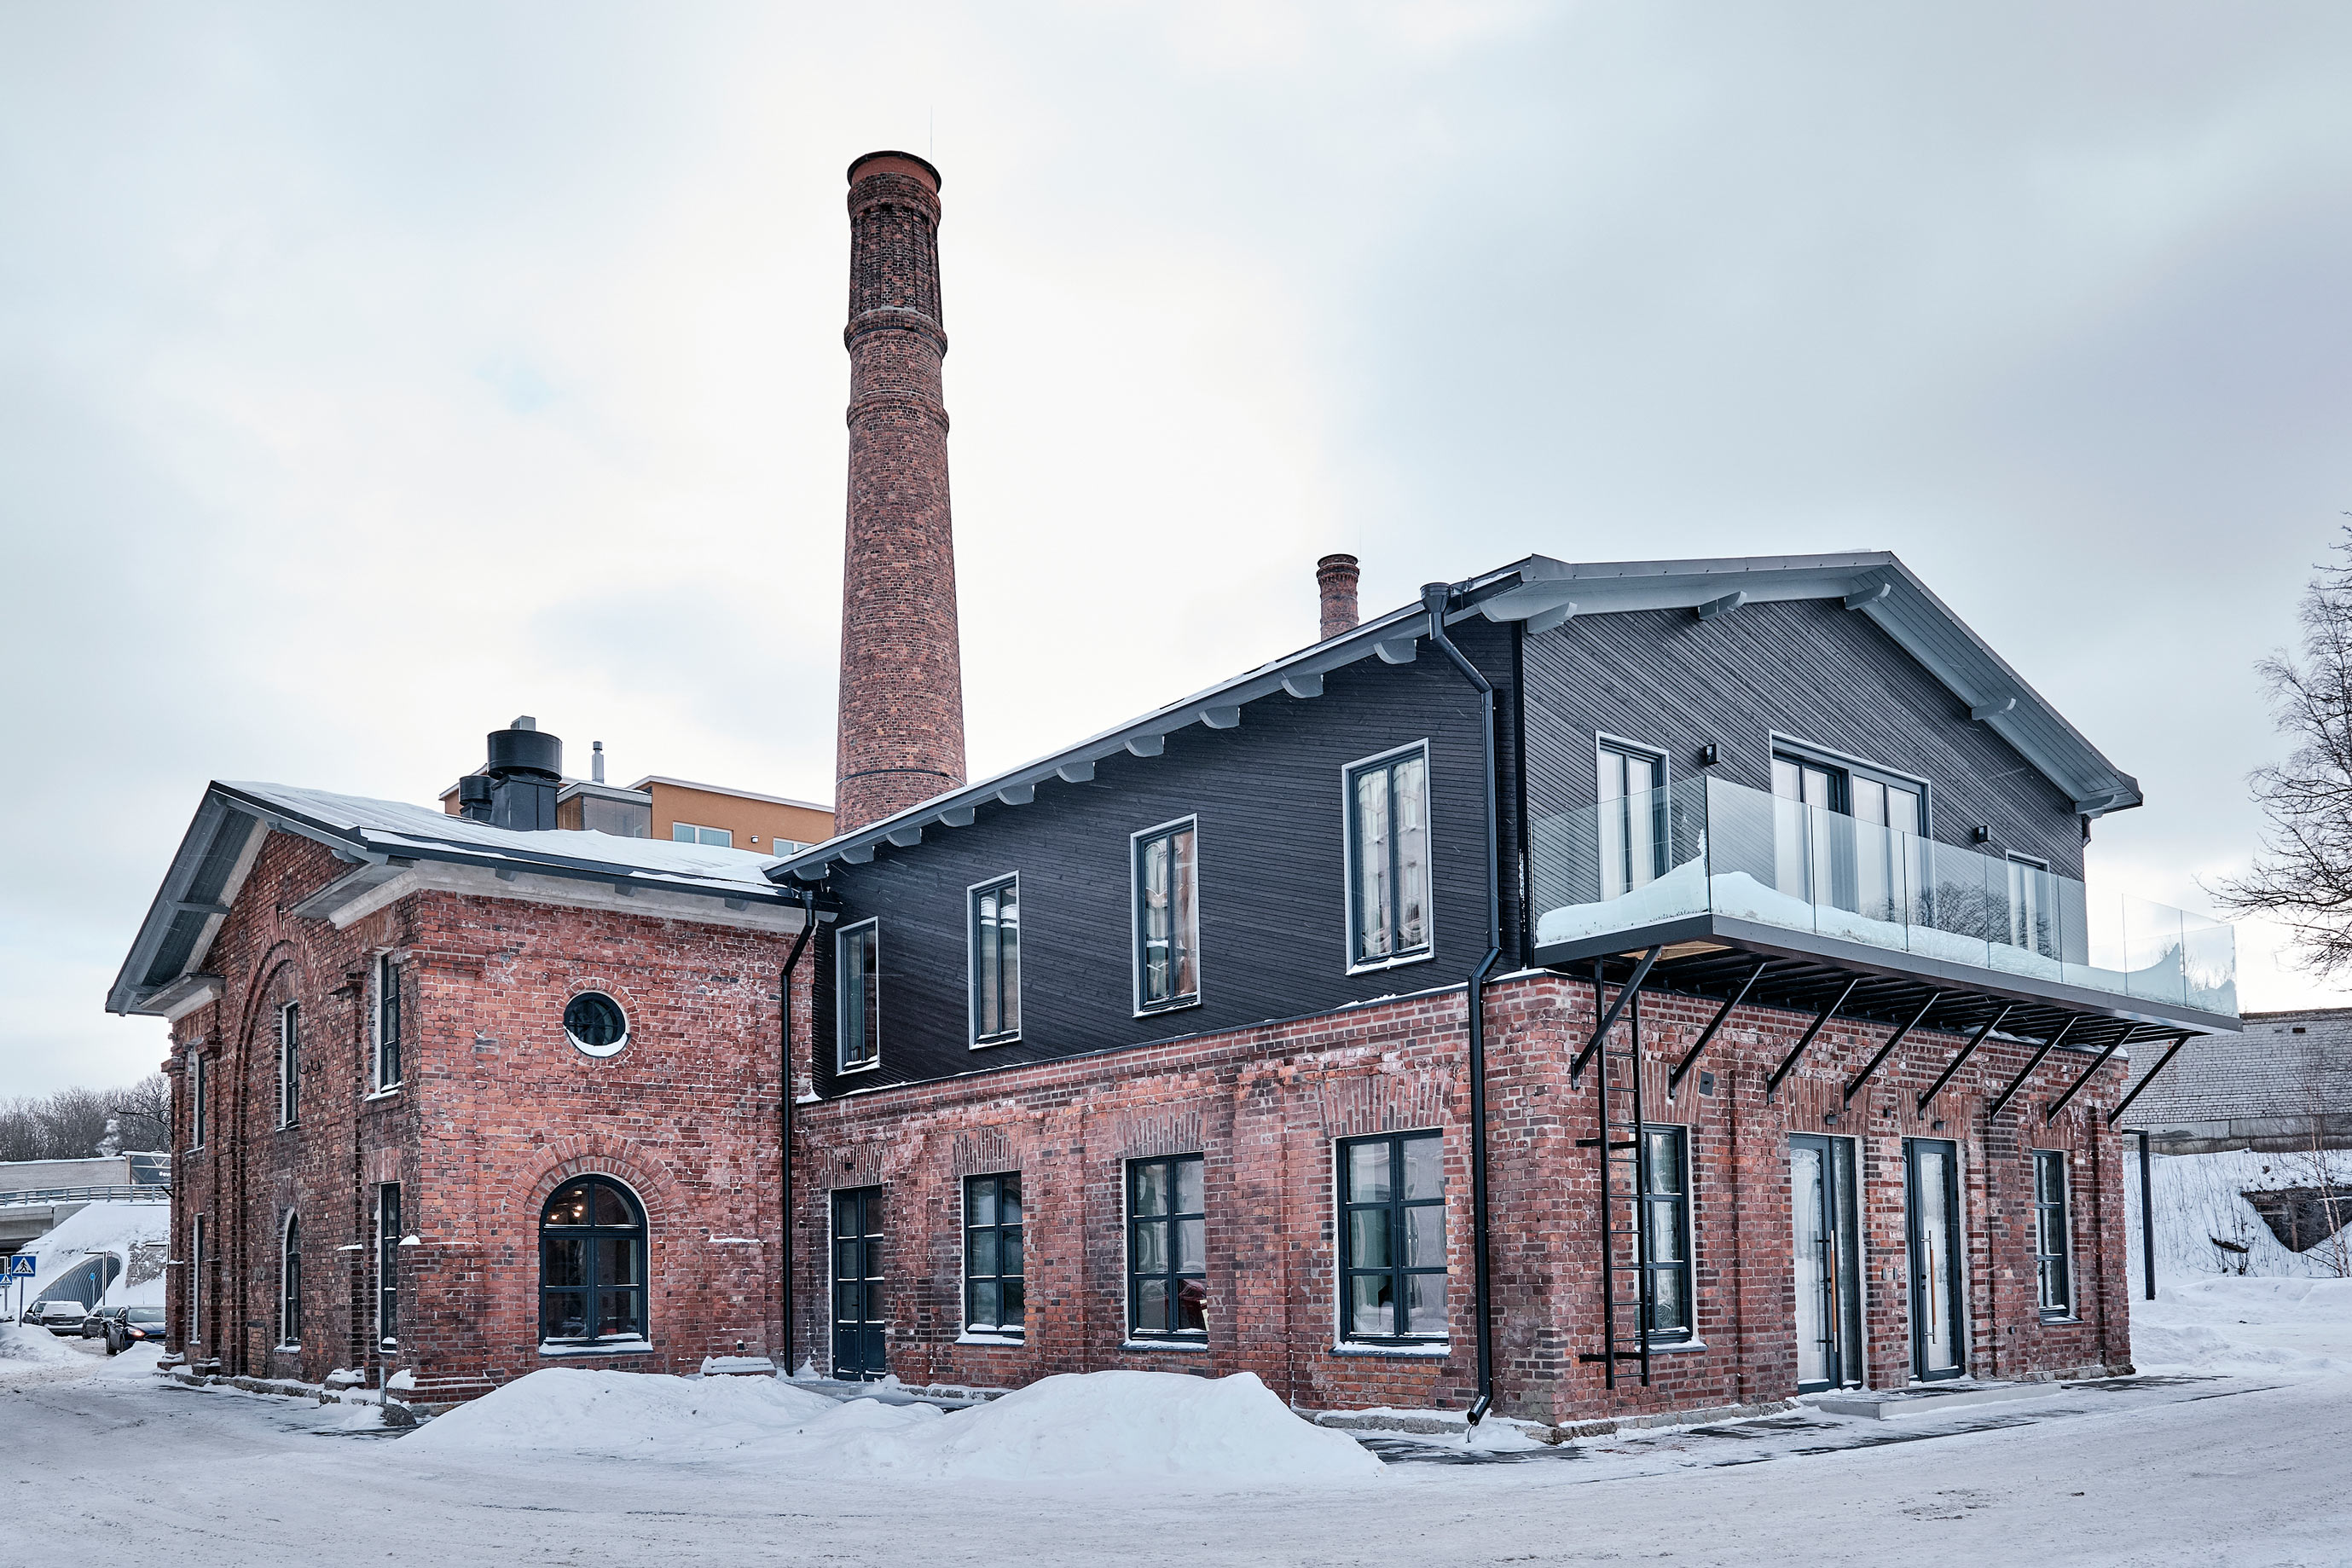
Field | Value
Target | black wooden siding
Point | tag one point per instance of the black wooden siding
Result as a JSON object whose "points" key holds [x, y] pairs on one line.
{"points": [[1273, 911], [1811, 670]]}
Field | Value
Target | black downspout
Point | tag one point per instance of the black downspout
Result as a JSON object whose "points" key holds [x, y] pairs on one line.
{"points": [[2146, 1217], [784, 1080], [1435, 597]]}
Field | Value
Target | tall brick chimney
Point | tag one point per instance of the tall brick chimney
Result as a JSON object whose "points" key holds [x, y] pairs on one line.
{"points": [[1335, 583], [901, 714]]}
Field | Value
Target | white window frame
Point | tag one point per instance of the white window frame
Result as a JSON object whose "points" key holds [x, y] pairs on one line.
{"points": [[289, 1063], [287, 1230], [1135, 917], [1348, 771], [387, 987], [874, 1018], [699, 829], [973, 1037]]}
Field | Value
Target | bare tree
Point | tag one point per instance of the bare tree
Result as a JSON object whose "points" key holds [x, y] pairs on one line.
{"points": [[2304, 875], [77, 1123]]}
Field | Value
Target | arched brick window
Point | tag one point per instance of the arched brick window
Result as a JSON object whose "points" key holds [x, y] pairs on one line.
{"points": [[289, 1283], [592, 1264]]}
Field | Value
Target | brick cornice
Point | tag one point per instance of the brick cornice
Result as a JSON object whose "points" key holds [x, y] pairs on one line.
{"points": [[893, 318], [892, 401]]}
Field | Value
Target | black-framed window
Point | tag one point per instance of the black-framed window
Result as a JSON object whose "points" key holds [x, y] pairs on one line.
{"points": [[198, 1111], [289, 1064], [1393, 1237], [387, 1266], [1168, 917], [387, 1022], [1387, 856], [2032, 905], [592, 1264], [289, 1284], [1632, 817], [996, 1295], [1167, 1248], [995, 935], [858, 990], [2053, 1263], [1665, 1232]]}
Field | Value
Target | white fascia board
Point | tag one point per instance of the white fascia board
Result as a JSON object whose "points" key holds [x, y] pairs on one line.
{"points": [[483, 882]]}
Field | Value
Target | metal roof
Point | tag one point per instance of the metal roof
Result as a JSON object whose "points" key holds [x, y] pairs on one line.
{"points": [[1545, 593]]}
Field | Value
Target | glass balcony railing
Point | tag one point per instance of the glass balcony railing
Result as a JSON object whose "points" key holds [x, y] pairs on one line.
{"points": [[1715, 848]]}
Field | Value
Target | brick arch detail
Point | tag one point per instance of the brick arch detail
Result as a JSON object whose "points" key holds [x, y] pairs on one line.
{"points": [[620, 1158]]}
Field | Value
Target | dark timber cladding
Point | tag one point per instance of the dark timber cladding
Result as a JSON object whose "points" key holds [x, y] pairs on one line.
{"points": [[1806, 669], [1268, 795]]}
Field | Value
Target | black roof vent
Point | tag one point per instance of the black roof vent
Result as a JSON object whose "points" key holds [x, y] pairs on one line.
{"points": [[524, 772]]}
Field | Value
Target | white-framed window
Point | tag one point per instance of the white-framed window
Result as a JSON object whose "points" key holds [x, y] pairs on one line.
{"points": [[1389, 914], [289, 1284], [1632, 817], [1167, 871], [196, 1280], [387, 1022], [689, 833], [994, 933], [857, 997], [2054, 1262], [198, 1111], [289, 1064]]}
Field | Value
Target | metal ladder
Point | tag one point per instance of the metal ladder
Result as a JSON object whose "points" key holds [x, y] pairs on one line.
{"points": [[1624, 1248]]}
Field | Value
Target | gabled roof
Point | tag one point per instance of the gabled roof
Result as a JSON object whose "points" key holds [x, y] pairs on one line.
{"points": [[1545, 593], [2283, 1067], [382, 839]]}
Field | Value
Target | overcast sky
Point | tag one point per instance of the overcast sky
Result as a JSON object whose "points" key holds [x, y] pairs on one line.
{"points": [[370, 375]]}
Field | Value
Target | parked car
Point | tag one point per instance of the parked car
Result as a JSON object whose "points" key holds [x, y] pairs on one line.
{"points": [[61, 1316], [127, 1326]]}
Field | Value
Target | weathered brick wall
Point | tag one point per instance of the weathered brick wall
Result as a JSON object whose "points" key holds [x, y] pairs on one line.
{"points": [[1266, 1105], [496, 1110]]}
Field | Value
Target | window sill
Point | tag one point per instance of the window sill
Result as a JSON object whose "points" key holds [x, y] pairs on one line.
{"points": [[1178, 1005], [1677, 1346], [1003, 1341], [1374, 966], [602, 1347], [1186, 1345], [994, 1040], [873, 1066], [386, 1092], [1433, 1351], [2067, 1322]]}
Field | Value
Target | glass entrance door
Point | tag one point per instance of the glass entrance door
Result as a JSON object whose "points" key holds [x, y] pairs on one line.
{"points": [[1828, 1262], [1939, 1317], [858, 1310]]}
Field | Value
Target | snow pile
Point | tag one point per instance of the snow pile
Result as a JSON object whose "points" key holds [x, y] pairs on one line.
{"points": [[1143, 1425], [2205, 1226], [624, 1413], [21, 1347], [1094, 1427], [120, 1228], [2248, 1325]]}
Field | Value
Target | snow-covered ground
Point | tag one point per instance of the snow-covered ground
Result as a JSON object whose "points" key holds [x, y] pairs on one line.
{"points": [[2235, 1455], [2205, 1226]]}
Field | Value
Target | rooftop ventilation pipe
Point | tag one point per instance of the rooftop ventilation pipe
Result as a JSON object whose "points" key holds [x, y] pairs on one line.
{"points": [[524, 772], [1435, 597]]}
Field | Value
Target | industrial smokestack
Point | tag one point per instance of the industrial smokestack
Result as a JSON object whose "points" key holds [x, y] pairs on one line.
{"points": [[1335, 583], [901, 712]]}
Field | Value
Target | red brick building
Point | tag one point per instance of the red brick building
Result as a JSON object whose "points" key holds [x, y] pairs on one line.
{"points": [[1591, 987]]}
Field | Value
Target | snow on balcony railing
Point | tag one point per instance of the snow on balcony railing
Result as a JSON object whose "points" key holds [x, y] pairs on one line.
{"points": [[1716, 848]]}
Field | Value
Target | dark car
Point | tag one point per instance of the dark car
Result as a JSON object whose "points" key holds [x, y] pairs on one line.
{"points": [[127, 1326]]}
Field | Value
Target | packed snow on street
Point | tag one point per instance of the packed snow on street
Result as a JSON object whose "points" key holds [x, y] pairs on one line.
{"points": [[2229, 1447]]}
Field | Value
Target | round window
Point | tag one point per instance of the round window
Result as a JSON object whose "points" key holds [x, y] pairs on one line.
{"points": [[596, 1024]]}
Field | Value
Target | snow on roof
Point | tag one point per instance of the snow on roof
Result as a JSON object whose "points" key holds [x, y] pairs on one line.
{"points": [[397, 827]]}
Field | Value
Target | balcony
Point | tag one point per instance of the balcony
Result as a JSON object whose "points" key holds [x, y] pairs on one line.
{"points": [[1707, 868]]}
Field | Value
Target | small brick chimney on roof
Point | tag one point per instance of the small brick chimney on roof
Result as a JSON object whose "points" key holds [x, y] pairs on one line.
{"points": [[901, 713], [1335, 582]]}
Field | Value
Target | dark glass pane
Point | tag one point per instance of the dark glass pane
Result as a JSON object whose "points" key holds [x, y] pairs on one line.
{"points": [[983, 1304], [847, 1302], [1425, 1167], [618, 1263], [1665, 1233], [1424, 1237], [1151, 1306], [1666, 1157], [844, 1260], [874, 1309], [569, 1207], [1192, 1305], [1368, 1172], [1151, 1247], [565, 1314], [564, 1262], [1666, 1315], [873, 1211], [980, 1252], [1191, 1248], [844, 1216], [593, 1020], [1188, 1185], [617, 1313], [612, 1208], [980, 1202], [1424, 1303], [1368, 1239], [1368, 1298], [873, 1247], [1008, 1250], [1008, 1203], [1150, 1188], [1009, 962], [1014, 1305]]}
